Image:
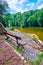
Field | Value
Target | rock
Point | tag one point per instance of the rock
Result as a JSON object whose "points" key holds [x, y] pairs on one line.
{"points": [[16, 30]]}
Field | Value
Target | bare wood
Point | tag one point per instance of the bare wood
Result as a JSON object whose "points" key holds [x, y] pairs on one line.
{"points": [[3, 28], [13, 35], [5, 32]]}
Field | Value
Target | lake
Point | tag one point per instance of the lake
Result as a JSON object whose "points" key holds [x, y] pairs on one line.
{"points": [[33, 30]]}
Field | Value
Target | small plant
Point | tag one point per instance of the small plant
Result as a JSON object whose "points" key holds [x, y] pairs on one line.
{"points": [[19, 49], [12, 28], [40, 56]]}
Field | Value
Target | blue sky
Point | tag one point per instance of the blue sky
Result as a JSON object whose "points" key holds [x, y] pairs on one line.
{"points": [[24, 5]]}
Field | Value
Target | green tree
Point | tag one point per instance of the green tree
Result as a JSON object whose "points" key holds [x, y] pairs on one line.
{"points": [[17, 19], [3, 9]]}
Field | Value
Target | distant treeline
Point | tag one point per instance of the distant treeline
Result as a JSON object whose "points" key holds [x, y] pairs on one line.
{"points": [[32, 18]]}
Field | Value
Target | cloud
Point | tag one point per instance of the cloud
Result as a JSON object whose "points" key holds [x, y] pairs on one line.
{"points": [[21, 10], [41, 6], [31, 5], [22, 1], [16, 5], [23, 5], [39, 1], [12, 3]]}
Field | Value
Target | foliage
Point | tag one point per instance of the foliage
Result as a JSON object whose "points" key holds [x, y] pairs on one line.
{"points": [[40, 57], [3, 10], [12, 28], [32, 18]]}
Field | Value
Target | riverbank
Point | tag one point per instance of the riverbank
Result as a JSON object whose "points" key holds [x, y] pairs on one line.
{"points": [[32, 30]]}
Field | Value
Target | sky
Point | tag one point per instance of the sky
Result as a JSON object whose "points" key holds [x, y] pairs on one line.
{"points": [[24, 5]]}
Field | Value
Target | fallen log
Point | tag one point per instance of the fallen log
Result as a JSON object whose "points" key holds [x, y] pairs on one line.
{"points": [[6, 33]]}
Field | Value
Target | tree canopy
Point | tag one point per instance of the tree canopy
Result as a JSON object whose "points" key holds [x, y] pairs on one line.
{"points": [[32, 18], [3, 10]]}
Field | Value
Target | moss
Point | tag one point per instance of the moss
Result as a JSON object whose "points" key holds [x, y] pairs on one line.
{"points": [[1, 49], [9, 61], [35, 37]]}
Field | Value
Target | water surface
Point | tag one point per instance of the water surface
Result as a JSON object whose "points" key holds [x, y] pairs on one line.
{"points": [[38, 31]]}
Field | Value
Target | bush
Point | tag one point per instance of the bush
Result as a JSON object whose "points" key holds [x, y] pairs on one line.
{"points": [[12, 28]]}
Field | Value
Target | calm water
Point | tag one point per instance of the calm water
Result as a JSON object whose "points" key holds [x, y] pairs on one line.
{"points": [[37, 31]]}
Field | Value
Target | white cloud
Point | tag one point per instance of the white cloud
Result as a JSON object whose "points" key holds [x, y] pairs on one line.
{"points": [[22, 1], [30, 4], [19, 6], [41, 6], [13, 4], [21, 10]]}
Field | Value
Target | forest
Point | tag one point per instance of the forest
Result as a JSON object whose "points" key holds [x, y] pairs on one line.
{"points": [[31, 18]]}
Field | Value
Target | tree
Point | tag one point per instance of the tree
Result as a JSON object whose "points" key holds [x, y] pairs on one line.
{"points": [[3, 9], [17, 19], [32, 18], [36, 20]]}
